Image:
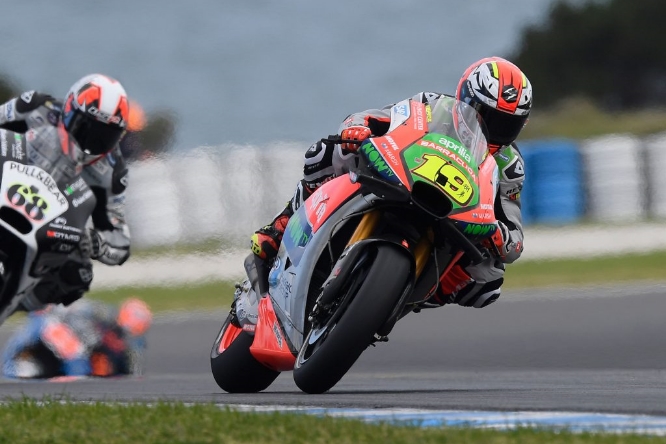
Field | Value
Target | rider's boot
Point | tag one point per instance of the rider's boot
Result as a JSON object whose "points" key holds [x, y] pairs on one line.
{"points": [[266, 241]]}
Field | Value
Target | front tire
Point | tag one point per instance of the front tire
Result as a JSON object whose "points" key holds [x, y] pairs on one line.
{"points": [[234, 368], [333, 345]]}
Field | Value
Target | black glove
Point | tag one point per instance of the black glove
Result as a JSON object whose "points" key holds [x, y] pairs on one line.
{"points": [[97, 244]]}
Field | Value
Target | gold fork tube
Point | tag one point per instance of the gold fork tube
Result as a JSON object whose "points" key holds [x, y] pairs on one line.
{"points": [[365, 227], [422, 252]]}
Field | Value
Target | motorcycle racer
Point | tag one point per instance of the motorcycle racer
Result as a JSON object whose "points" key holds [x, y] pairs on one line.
{"points": [[87, 338], [79, 135], [502, 95]]}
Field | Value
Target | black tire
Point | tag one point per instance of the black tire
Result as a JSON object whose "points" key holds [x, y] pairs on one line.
{"points": [[373, 291], [235, 369]]}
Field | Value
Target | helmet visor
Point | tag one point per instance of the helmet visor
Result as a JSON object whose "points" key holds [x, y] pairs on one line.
{"points": [[503, 128], [94, 137]]}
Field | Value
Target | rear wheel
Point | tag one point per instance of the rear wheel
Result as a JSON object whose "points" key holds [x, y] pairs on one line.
{"points": [[234, 368], [338, 337]]}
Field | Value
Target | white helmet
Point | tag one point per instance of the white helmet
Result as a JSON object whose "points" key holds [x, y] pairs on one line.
{"points": [[95, 113]]}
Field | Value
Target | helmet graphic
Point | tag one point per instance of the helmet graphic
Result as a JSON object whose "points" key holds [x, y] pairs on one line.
{"points": [[134, 316], [95, 113], [501, 94]]}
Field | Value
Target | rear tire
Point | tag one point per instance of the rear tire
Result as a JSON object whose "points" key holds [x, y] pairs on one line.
{"points": [[234, 368], [332, 346]]}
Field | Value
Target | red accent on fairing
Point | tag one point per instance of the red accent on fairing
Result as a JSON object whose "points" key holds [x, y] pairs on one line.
{"points": [[485, 211], [64, 138], [414, 128], [270, 343], [229, 336], [328, 198]]}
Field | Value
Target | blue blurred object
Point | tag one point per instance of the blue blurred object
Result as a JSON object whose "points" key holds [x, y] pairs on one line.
{"points": [[553, 192], [87, 338]]}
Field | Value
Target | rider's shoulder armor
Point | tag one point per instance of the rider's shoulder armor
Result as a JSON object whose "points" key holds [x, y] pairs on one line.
{"points": [[512, 169], [30, 110], [428, 96]]}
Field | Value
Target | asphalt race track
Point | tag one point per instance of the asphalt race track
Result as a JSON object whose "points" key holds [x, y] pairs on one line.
{"points": [[600, 350]]}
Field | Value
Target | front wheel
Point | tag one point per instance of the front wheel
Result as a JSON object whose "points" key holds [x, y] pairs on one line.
{"points": [[234, 368], [335, 342]]}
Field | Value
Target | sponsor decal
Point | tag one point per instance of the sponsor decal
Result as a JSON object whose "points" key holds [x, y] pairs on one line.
{"points": [[63, 247], [480, 229], [9, 111], [285, 285], [81, 199], [52, 117], [76, 186], [60, 223], [27, 96], [278, 335], [318, 204], [17, 147], [40, 175], [63, 236], [297, 233], [401, 109], [514, 196], [392, 143], [106, 117], [376, 159], [3, 143], [450, 154], [418, 123]]}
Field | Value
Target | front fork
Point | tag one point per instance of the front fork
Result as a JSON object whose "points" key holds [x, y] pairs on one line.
{"points": [[367, 226]]}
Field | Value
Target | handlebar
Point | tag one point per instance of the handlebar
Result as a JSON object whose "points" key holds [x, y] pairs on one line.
{"points": [[337, 139]]}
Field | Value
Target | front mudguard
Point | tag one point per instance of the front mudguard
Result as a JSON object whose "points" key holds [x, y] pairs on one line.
{"points": [[345, 266]]}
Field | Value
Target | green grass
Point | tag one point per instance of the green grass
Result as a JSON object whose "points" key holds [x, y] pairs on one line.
{"points": [[206, 296], [28, 421], [522, 274], [594, 271], [579, 119]]}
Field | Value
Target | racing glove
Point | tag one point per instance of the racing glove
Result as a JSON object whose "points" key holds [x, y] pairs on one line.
{"points": [[502, 239], [108, 248], [356, 132]]}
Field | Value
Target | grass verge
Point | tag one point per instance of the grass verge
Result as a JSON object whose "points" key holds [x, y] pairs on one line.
{"points": [[29, 421], [592, 271], [525, 274]]}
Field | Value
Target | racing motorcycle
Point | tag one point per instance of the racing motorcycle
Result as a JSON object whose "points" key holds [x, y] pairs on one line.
{"points": [[43, 213], [364, 250]]}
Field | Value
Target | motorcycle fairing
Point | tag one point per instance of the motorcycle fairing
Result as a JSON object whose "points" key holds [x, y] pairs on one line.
{"points": [[479, 222], [408, 124], [309, 218], [271, 346], [229, 336], [289, 280], [32, 192]]}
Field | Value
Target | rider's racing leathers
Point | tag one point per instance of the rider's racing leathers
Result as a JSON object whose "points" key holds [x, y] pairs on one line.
{"points": [[108, 239], [473, 285]]}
